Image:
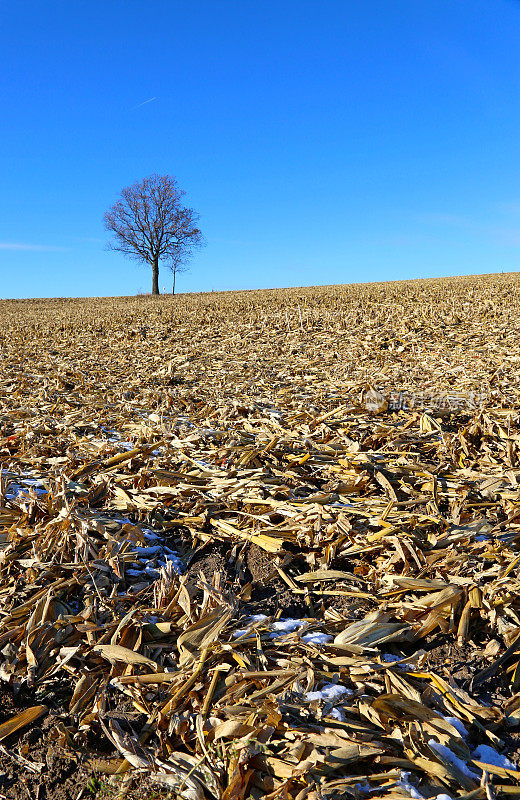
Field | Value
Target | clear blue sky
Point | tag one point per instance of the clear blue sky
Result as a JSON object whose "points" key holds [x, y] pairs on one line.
{"points": [[322, 141]]}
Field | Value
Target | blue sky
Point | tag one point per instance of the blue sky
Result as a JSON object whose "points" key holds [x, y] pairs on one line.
{"points": [[323, 141]]}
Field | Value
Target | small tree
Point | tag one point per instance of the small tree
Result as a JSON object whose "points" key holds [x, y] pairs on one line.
{"points": [[176, 267], [150, 224]]}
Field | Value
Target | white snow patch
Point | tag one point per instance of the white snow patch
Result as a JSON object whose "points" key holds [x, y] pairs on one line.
{"points": [[405, 783], [241, 632], [253, 618], [148, 552], [458, 725], [135, 573], [115, 437], [450, 756], [316, 638], [151, 558], [22, 485], [489, 755], [152, 572], [173, 559], [389, 658], [330, 692], [285, 626]]}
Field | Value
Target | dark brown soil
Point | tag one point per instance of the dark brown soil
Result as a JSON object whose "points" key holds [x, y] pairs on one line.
{"points": [[60, 777], [63, 776], [463, 662], [269, 593]]}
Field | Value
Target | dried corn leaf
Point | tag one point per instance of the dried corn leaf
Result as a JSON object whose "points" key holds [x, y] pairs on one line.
{"points": [[21, 720]]}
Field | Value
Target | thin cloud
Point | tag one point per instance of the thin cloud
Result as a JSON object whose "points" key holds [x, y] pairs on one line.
{"points": [[26, 246], [144, 103]]}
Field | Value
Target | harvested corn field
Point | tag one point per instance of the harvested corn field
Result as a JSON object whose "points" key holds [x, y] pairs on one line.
{"points": [[262, 544]]}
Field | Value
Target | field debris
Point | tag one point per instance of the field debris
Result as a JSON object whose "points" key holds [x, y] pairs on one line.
{"points": [[263, 544]]}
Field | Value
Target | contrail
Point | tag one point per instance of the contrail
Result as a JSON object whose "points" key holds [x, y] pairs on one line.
{"points": [[145, 102], [26, 246]]}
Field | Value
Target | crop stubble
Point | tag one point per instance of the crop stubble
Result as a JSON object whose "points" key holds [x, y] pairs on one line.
{"points": [[348, 456]]}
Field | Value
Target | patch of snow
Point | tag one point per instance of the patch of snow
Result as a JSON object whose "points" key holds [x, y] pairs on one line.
{"points": [[241, 632], [203, 464], [152, 572], [390, 658], [22, 485], [253, 618], [282, 627], [174, 560], [405, 783], [285, 626], [316, 638], [330, 692], [150, 536], [184, 421], [458, 725], [150, 559], [148, 552], [450, 756], [115, 437], [489, 755]]}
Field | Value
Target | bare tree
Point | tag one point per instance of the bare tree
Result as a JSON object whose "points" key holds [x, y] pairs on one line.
{"points": [[150, 224], [176, 266]]}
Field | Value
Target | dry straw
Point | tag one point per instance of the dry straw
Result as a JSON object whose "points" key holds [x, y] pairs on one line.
{"points": [[267, 423]]}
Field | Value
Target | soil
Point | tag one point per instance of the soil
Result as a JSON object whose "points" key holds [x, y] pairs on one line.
{"points": [[58, 774], [269, 593]]}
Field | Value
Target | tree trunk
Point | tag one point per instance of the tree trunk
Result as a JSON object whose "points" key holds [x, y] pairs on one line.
{"points": [[173, 290], [155, 276]]}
